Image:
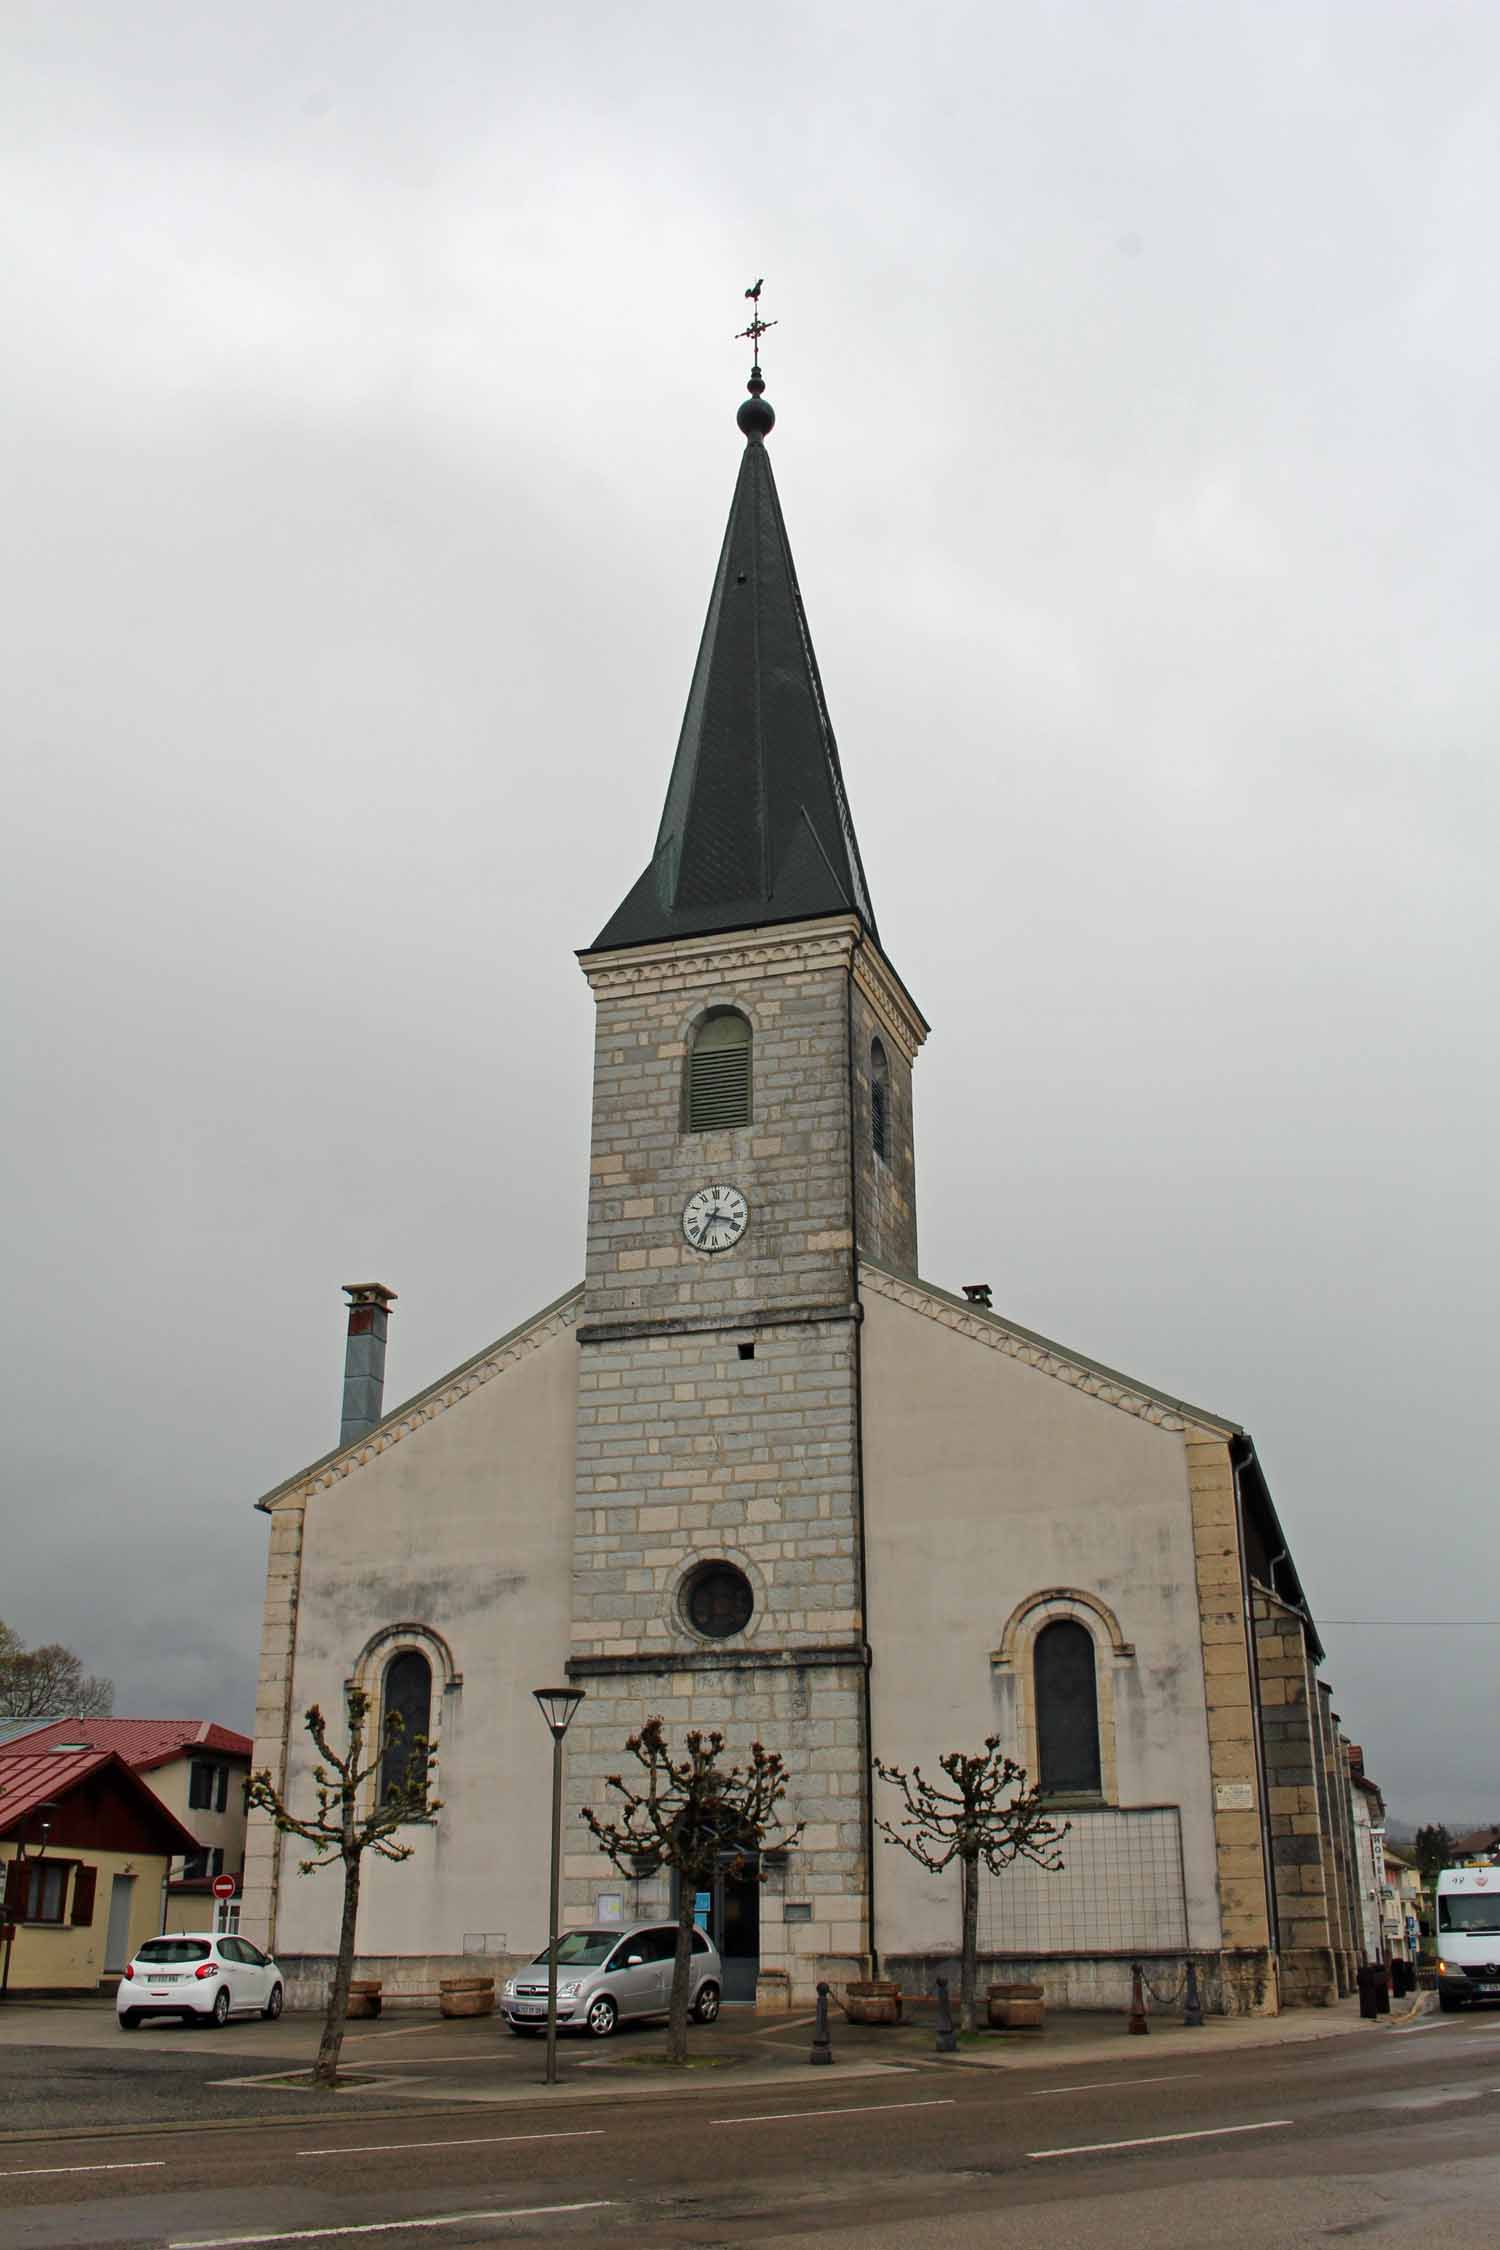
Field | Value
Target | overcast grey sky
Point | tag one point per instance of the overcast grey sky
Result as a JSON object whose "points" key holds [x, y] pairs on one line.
{"points": [[367, 429]]}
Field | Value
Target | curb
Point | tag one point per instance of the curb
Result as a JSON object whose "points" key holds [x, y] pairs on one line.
{"points": [[1425, 2004]]}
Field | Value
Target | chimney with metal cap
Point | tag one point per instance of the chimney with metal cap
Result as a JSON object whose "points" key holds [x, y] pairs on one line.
{"points": [[370, 1305]]}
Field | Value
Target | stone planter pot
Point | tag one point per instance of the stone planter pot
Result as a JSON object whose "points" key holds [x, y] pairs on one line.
{"points": [[364, 1996], [877, 2000], [1016, 2007], [466, 1996]]}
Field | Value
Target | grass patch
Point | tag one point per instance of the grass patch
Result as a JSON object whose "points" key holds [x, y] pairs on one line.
{"points": [[660, 2062]]}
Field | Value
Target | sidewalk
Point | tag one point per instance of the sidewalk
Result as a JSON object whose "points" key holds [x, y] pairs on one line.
{"points": [[1071, 2037], [417, 2057]]}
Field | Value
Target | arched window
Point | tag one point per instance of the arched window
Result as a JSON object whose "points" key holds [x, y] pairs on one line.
{"points": [[880, 1100], [408, 1693], [1067, 1710], [718, 1087]]}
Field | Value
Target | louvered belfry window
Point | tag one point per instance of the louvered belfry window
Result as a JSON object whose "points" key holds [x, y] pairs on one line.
{"points": [[880, 1100], [718, 1091]]}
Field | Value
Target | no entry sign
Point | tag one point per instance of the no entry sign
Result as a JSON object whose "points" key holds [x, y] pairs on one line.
{"points": [[223, 1886]]}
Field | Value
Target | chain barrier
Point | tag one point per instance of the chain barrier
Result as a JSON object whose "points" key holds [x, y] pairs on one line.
{"points": [[1166, 1999]]}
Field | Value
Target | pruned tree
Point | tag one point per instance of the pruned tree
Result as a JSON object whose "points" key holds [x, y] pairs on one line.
{"points": [[48, 1682], [685, 1814], [988, 1815], [346, 1825]]}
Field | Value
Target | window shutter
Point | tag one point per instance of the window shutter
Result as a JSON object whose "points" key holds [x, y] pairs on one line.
{"points": [[880, 1105], [17, 1883], [221, 1793], [85, 1884], [719, 1075]]}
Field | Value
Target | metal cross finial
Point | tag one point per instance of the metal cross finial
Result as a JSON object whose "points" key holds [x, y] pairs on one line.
{"points": [[757, 327]]}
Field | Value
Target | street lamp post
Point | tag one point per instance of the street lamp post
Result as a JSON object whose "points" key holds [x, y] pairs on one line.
{"points": [[557, 1706]]}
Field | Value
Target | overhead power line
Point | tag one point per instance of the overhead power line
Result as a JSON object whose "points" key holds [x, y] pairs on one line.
{"points": [[1420, 1624]]}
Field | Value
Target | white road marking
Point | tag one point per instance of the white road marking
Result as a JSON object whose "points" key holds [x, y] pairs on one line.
{"points": [[386, 2226], [1154, 2140], [48, 2171], [1110, 2085], [478, 2140], [855, 2109]]}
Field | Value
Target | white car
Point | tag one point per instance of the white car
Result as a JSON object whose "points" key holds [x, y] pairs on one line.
{"points": [[193, 1977]]}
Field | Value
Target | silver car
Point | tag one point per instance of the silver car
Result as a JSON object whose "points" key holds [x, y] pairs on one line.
{"points": [[604, 1976]]}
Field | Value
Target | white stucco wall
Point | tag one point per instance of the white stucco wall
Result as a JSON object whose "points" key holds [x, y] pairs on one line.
{"points": [[986, 1481], [466, 1527]]}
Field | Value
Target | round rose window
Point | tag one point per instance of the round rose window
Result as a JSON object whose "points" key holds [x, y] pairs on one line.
{"points": [[717, 1600]]}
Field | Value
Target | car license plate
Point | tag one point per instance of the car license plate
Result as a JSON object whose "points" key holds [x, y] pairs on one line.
{"points": [[529, 2008], [158, 1981], [1489, 1990]]}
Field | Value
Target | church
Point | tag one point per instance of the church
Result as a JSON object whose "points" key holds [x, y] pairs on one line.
{"points": [[754, 1473]]}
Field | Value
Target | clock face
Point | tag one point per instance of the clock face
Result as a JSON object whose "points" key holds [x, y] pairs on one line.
{"points": [[715, 1218]]}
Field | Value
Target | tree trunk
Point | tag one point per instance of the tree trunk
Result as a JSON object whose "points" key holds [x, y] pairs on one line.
{"points": [[682, 1969], [326, 2068], [969, 1964]]}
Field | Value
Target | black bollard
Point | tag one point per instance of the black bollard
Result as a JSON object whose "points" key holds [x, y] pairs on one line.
{"points": [[1137, 2023], [1192, 2012], [822, 2046], [947, 2037]]}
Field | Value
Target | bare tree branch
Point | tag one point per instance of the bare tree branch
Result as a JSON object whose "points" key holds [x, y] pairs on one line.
{"points": [[340, 1830], [971, 1824], [685, 1813]]}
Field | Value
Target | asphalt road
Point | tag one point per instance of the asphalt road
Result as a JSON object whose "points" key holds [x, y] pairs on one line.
{"points": [[1391, 2136]]}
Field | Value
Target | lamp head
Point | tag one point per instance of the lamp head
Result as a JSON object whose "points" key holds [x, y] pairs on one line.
{"points": [[557, 1705]]}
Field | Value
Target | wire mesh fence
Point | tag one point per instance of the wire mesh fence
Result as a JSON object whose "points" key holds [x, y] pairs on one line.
{"points": [[1120, 1889]]}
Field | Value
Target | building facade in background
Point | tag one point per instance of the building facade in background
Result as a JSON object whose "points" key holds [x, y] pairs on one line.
{"points": [[755, 1473], [198, 1770], [86, 1849]]}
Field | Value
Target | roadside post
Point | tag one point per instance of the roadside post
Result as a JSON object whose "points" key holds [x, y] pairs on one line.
{"points": [[822, 2046], [1137, 2024]]}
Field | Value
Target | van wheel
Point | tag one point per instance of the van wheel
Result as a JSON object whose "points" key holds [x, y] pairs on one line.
{"points": [[706, 2006], [602, 2017], [1449, 2004]]}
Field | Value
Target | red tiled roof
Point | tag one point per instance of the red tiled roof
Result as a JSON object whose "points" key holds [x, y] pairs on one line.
{"points": [[30, 1778], [142, 1743]]}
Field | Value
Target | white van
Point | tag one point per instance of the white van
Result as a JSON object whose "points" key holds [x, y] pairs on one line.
{"points": [[1468, 1935]]}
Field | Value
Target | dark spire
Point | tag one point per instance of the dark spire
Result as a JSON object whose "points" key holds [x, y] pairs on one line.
{"points": [[756, 825]]}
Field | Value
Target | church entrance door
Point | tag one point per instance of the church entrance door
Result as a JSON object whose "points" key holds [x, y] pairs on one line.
{"points": [[730, 1912]]}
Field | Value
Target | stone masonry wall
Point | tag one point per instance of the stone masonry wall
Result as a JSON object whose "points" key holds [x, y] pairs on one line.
{"points": [[886, 1187], [686, 1452], [717, 1413], [689, 1453], [1341, 1812], [1231, 1720], [813, 1714], [791, 1162], [1309, 1970]]}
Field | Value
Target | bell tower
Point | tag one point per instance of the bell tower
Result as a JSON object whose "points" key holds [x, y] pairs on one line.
{"points": [[752, 1139]]}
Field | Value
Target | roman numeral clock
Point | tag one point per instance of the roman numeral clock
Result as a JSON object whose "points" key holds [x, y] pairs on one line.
{"points": [[714, 1218]]}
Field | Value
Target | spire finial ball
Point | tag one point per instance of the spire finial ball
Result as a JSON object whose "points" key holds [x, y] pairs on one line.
{"points": [[757, 416]]}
